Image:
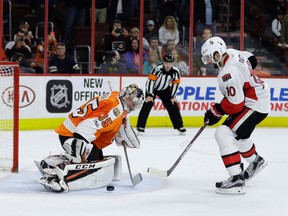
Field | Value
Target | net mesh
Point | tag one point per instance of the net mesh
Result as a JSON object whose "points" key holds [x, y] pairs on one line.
{"points": [[6, 117]]}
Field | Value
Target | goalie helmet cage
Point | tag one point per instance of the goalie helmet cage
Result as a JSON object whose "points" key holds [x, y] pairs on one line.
{"points": [[9, 115]]}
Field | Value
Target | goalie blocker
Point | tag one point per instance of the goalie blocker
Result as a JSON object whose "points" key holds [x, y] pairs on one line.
{"points": [[59, 175]]}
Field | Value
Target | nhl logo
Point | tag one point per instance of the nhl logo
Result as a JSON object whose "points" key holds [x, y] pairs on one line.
{"points": [[59, 96]]}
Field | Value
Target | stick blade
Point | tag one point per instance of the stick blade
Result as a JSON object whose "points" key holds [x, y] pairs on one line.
{"points": [[137, 179], [157, 172]]}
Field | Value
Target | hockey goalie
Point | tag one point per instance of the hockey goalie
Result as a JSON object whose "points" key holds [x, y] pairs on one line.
{"points": [[83, 134]]}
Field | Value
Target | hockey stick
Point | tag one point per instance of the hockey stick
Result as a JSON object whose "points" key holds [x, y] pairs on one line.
{"points": [[165, 173], [110, 85], [137, 178]]}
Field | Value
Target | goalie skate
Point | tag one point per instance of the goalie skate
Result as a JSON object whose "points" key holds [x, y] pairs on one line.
{"points": [[51, 184]]}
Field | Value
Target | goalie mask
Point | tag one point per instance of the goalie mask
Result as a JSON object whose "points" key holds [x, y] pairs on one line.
{"points": [[132, 97]]}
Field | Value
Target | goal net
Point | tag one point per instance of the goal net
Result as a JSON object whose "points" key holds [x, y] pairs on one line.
{"points": [[9, 115]]}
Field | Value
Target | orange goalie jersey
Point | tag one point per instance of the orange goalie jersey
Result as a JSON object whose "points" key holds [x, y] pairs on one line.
{"points": [[98, 120]]}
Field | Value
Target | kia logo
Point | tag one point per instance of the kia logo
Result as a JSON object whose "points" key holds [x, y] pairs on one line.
{"points": [[26, 96]]}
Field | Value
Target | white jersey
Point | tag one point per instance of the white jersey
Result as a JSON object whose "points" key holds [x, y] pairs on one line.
{"points": [[244, 53], [241, 87]]}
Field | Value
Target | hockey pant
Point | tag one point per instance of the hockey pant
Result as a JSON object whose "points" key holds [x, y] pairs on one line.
{"points": [[173, 110], [233, 139]]}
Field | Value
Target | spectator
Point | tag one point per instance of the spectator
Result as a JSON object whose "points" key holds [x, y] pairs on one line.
{"points": [[101, 10], [199, 68], [154, 46], [28, 35], [112, 65], [117, 38], [170, 46], [181, 65], [38, 8], [276, 26], [19, 51], [134, 33], [151, 62], [169, 30], [75, 15], [119, 10], [167, 8], [284, 37], [38, 61], [206, 14], [62, 63], [150, 30], [132, 57], [52, 42]]}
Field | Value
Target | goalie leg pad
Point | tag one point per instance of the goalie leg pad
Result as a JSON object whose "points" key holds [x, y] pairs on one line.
{"points": [[117, 167], [88, 176], [127, 136]]}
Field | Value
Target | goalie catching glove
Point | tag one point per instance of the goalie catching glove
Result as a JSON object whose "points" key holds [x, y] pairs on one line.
{"points": [[214, 114], [127, 136]]}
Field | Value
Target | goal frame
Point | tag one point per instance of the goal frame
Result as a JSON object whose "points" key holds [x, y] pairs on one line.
{"points": [[16, 68]]}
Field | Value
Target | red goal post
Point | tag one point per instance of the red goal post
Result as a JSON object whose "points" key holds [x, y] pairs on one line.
{"points": [[9, 115]]}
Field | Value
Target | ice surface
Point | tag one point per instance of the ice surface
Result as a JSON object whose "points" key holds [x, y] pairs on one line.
{"points": [[189, 190]]}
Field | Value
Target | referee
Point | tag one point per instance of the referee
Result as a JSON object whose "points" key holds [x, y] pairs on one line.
{"points": [[163, 82]]}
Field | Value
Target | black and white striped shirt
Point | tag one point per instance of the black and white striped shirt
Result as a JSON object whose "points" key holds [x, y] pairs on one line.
{"points": [[159, 80]]}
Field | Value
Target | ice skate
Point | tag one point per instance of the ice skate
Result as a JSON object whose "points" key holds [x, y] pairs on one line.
{"points": [[51, 183], [254, 167], [140, 131], [233, 185], [182, 131]]}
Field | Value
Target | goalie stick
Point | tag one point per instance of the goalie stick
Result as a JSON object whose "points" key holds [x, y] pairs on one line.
{"points": [[137, 178], [165, 173], [110, 85]]}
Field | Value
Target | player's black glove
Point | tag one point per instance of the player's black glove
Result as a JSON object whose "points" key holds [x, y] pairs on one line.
{"points": [[214, 114]]}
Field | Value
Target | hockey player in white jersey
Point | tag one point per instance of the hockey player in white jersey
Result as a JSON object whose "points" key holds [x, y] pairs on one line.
{"points": [[246, 101]]}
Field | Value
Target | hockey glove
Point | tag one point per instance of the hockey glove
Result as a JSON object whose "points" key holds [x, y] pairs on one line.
{"points": [[214, 114]]}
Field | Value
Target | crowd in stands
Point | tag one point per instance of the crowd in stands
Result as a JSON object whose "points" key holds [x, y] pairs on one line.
{"points": [[165, 31]]}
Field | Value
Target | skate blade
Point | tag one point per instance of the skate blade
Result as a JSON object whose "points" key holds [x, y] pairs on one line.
{"points": [[231, 191]]}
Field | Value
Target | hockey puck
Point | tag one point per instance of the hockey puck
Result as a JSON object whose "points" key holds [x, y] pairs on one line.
{"points": [[110, 188]]}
